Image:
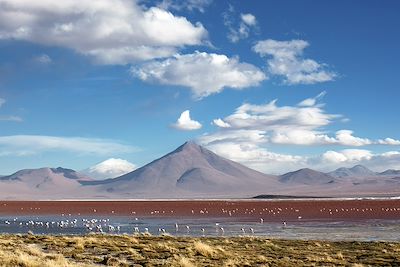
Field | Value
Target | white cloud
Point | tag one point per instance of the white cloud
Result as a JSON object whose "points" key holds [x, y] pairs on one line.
{"points": [[285, 58], [220, 123], [254, 129], [345, 137], [302, 124], [110, 168], [249, 19], [112, 32], [34, 144], [333, 157], [238, 28], [271, 117], [347, 156], [203, 73], [313, 137], [190, 5], [257, 157], [185, 123], [2, 101], [43, 59], [260, 158], [301, 137], [239, 136], [309, 102], [389, 141]]}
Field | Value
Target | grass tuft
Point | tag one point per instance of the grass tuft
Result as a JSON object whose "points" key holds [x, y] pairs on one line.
{"points": [[204, 249]]}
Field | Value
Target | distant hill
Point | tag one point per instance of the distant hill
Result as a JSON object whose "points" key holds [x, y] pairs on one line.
{"points": [[358, 170], [390, 172], [46, 176], [284, 197], [42, 183], [306, 176]]}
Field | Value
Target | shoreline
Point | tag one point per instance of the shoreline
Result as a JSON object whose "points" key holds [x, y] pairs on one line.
{"points": [[250, 199]]}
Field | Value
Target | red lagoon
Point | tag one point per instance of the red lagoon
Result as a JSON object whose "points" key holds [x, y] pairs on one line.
{"points": [[268, 210]]}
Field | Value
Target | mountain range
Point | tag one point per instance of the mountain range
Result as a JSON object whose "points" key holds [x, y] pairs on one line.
{"points": [[192, 171]]}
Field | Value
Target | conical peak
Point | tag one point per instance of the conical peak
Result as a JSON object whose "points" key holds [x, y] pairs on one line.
{"points": [[189, 145]]}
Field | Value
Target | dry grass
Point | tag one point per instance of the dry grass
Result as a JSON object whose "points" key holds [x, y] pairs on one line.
{"points": [[32, 256], [204, 249], [124, 250], [185, 262]]}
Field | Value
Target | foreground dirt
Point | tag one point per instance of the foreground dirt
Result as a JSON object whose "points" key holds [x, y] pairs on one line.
{"points": [[124, 250]]}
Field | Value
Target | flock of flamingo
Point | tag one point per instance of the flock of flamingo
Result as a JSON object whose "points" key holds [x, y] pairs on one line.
{"points": [[137, 226]]}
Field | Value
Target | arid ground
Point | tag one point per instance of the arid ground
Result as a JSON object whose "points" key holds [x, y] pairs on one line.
{"points": [[94, 250]]}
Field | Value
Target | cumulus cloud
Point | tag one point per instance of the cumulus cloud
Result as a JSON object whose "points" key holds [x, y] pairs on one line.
{"points": [[349, 157], [249, 19], [345, 137], [389, 141], [301, 137], [110, 168], [271, 117], [260, 158], [189, 5], [21, 145], [220, 123], [285, 58], [302, 124], [309, 102], [203, 73], [112, 32], [185, 123], [254, 129], [238, 28]]}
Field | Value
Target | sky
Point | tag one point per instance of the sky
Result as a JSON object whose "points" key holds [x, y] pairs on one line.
{"points": [[107, 86]]}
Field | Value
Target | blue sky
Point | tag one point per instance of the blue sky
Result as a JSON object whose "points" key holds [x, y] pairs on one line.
{"points": [[82, 82]]}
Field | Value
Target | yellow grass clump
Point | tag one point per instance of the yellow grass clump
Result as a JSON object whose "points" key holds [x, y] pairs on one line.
{"points": [[204, 249]]}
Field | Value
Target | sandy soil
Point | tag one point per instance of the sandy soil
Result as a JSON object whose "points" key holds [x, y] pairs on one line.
{"points": [[253, 210]]}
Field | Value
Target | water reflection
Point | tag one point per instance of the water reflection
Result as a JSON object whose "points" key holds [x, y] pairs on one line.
{"points": [[367, 230]]}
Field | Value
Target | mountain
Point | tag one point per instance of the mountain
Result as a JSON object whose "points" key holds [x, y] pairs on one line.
{"points": [[390, 172], [357, 170], [43, 182], [190, 170], [35, 175], [307, 177], [54, 175]]}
